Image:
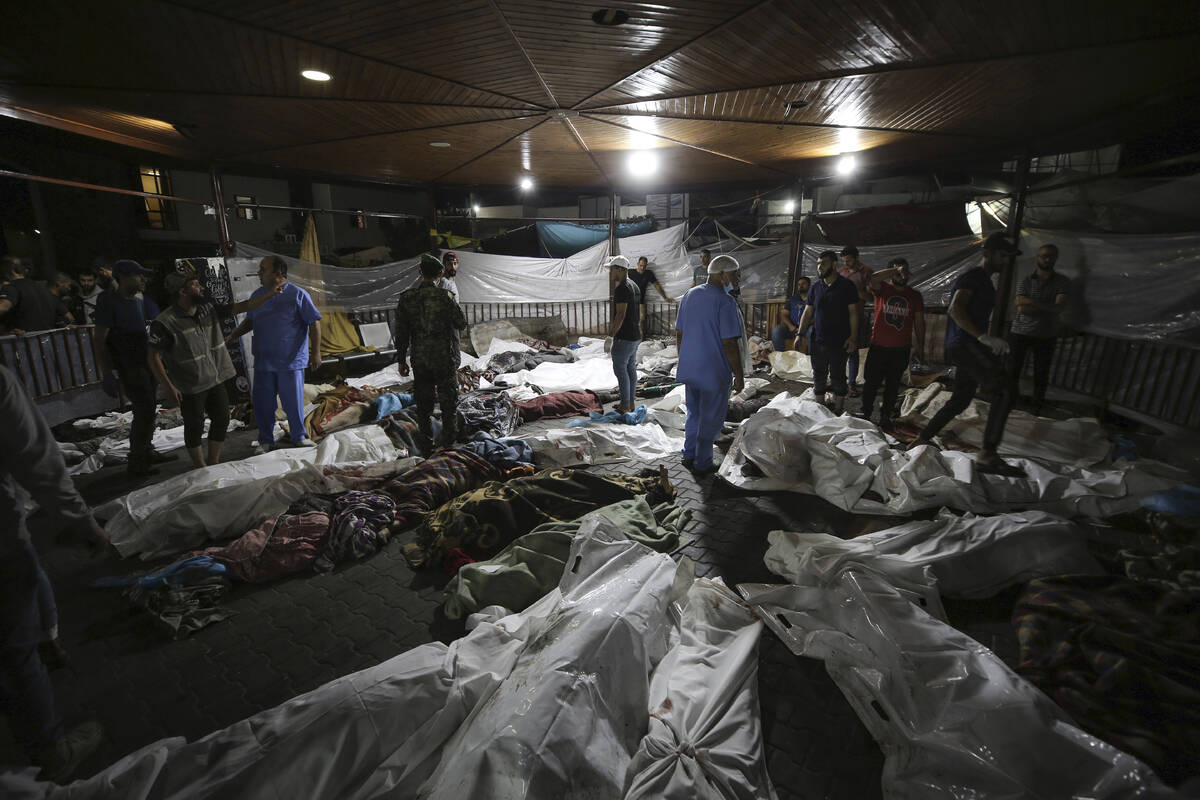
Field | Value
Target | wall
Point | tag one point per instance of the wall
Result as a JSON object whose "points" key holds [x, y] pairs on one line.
{"points": [[392, 201]]}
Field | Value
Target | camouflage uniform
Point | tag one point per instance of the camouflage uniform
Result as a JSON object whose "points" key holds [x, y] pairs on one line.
{"points": [[429, 319]]}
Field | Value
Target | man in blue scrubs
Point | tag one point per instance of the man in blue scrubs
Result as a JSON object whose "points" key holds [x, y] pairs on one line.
{"points": [[707, 330], [287, 338]]}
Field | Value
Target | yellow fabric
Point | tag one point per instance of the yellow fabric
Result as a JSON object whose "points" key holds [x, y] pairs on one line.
{"points": [[451, 241], [338, 335]]}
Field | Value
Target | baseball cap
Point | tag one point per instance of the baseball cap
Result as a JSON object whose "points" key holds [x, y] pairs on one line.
{"points": [[998, 241], [618, 261], [128, 267], [723, 264]]}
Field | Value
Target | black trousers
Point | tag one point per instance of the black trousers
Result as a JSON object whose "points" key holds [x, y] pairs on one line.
{"points": [[1042, 348], [215, 403], [885, 366], [976, 366], [441, 384], [829, 368], [138, 382]]}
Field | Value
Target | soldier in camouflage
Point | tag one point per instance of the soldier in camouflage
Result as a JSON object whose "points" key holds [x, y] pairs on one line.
{"points": [[428, 319]]}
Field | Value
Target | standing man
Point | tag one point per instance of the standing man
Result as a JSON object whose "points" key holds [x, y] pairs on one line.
{"points": [[976, 356], [428, 320], [785, 332], [62, 288], [700, 273], [832, 313], [449, 270], [29, 456], [707, 330], [122, 319], [188, 356], [1041, 298], [625, 331], [860, 275], [89, 292], [645, 278], [899, 314], [26, 304], [287, 338]]}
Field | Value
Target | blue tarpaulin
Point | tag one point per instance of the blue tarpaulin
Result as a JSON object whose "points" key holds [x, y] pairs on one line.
{"points": [[562, 239]]}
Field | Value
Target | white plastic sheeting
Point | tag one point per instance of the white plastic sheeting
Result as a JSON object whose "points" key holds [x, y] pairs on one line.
{"points": [[1079, 442], [595, 374], [485, 278], [791, 365], [226, 500], [953, 721], [603, 444], [554, 702], [802, 446], [968, 556]]}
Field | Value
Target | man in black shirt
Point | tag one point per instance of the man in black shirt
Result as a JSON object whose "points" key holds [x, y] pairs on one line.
{"points": [[644, 277], [62, 289], [626, 330], [25, 304]]}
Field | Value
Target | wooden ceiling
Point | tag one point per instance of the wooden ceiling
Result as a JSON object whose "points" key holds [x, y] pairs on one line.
{"points": [[519, 87]]}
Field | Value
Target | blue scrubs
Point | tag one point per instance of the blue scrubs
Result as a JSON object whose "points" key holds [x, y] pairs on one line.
{"points": [[280, 348], [707, 316]]}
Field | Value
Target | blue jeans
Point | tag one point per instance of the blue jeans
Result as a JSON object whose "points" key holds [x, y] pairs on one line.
{"points": [[25, 693], [289, 386], [624, 359]]}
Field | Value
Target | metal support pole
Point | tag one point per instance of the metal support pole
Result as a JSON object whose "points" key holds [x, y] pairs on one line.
{"points": [[1016, 212], [796, 256], [433, 223], [614, 245], [219, 208]]}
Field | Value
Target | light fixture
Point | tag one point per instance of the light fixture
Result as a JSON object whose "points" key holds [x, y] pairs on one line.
{"points": [[789, 206], [846, 164], [316, 75], [475, 209], [526, 183], [643, 163], [35, 230], [439, 144]]}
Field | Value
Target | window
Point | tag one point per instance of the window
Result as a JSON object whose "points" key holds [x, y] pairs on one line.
{"points": [[160, 214], [359, 220], [244, 204]]}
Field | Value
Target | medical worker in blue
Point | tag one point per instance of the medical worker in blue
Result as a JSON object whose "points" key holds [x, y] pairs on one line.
{"points": [[287, 338], [707, 330]]}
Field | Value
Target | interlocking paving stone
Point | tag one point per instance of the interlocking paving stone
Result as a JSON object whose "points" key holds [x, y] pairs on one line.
{"points": [[292, 635]]}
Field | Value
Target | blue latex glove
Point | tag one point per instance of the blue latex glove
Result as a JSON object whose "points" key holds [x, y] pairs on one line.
{"points": [[110, 386]]}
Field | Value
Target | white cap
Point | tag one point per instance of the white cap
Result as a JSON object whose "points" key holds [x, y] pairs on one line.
{"points": [[723, 264], [617, 261]]}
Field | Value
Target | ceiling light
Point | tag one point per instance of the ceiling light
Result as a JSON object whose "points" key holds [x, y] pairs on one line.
{"points": [[526, 183], [846, 164], [316, 75], [35, 230], [642, 163], [789, 206], [475, 209], [609, 17], [439, 144]]}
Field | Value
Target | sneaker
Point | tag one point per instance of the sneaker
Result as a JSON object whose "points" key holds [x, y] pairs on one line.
{"points": [[138, 466], [60, 760], [263, 448]]}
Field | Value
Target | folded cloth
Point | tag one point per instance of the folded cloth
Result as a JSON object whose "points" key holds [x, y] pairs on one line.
{"points": [[482, 522], [357, 528], [504, 453], [533, 564], [436, 480], [635, 417], [184, 609]]}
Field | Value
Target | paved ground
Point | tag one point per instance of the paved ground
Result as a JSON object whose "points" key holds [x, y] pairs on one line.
{"points": [[291, 636]]}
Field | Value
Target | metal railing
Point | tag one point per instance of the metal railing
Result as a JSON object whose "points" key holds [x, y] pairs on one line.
{"points": [[52, 362]]}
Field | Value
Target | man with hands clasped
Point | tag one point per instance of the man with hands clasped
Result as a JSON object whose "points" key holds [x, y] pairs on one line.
{"points": [[832, 313]]}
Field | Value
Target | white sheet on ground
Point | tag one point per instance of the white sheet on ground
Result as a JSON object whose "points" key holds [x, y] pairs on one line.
{"points": [[952, 719], [791, 365], [802, 446], [226, 500], [594, 374], [387, 377], [603, 444], [551, 702], [968, 556], [115, 449], [1078, 442]]}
